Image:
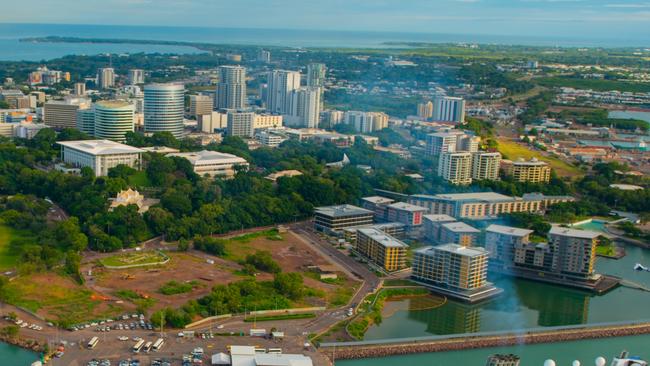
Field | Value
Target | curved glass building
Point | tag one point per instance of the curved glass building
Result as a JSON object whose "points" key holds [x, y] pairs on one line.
{"points": [[113, 119], [164, 106]]}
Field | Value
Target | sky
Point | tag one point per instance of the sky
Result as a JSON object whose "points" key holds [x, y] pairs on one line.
{"points": [[575, 18]]}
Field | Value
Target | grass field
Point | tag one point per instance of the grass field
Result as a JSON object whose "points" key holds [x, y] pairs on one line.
{"points": [[134, 259], [8, 259], [513, 151]]}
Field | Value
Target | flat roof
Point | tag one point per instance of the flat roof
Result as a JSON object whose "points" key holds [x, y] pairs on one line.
{"points": [[100, 147], [453, 248], [382, 238], [460, 227], [342, 210], [508, 230], [439, 218], [207, 157], [574, 233], [378, 199], [474, 196], [406, 207]]}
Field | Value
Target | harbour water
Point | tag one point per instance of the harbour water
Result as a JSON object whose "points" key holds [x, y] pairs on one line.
{"points": [[10, 49], [528, 304], [15, 356], [531, 355]]}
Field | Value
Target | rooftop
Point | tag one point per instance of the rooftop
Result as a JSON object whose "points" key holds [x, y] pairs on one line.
{"points": [[439, 218], [210, 157], [460, 227], [113, 104], [100, 147], [382, 238], [455, 249], [342, 210], [574, 233], [378, 200], [508, 230], [474, 196], [406, 207]]}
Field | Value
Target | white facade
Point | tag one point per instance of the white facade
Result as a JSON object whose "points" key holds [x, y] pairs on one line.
{"points": [[213, 121], [105, 78], [213, 164], [456, 167], [304, 108], [485, 165], [164, 106], [280, 85], [449, 109], [136, 76], [99, 155], [440, 143], [113, 119], [231, 89], [240, 123], [366, 122]]}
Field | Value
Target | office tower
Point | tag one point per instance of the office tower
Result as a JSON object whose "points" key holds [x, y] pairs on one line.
{"points": [[86, 121], [280, 85], [425, 110], [304, 107], [240, 123], [533, 170], [105, 78], [113, 119], [231, 89], [316, 75], [440, 143], [454, 270], [366, 122], [63, 114], [80, 89], [200, 105], [456, 167], [264, 56], [164, 105], [136, 76], [449, 109], [485, 165]]}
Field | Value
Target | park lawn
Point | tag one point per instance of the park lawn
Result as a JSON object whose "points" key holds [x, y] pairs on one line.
{"points": [[513, 150], [606, 250], [140, 179], [133, 258], [8, 259], [58, 298]]}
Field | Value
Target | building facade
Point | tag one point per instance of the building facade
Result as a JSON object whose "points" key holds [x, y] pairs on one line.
{"points": [[200, 105], [304, 107], [533, 171], [113, 119], [456, 167], [164, 106], [63, 114], [105, 78], [485, 165], [381, 249], [99, 155], [333, 219], [280, 84], [231, 89], [366, 122], [241, 124], [213, 164], [86, 121], [449, 109], [458, 233], [316, 73], [136, 76]]}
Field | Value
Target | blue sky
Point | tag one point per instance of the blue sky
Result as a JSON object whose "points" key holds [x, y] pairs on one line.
{"points": [[576, 18]]}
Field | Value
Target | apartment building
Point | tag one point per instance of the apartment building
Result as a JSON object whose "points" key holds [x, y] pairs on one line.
{"points": [[533, 171], [405, 213], [432, 224], [456, 167], [333, 219], [485, 165], [458, 233], [381, 249]]}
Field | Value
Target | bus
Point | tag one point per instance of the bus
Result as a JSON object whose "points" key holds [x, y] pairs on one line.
{"points": [[275, 350], [158, 344], [138, 346], [92, 343], [147, 347]]}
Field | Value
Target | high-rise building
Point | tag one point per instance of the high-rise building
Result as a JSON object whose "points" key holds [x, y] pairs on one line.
{"points": [[281, 83], [485, 165], [86, 121], [456, 167], [264, 56], [164, 105], [533, 170], [113, 119], [574, 251], [231, 89], [80, 89], [449, 109], [136, 76], [382, 249], [200, 105], [105, 78], [366, 122], [304, 108], [332, 118], [241, 123], [425, 110], [316, 73], [468, 143], [440, 142], [63, 114], [501, 241], [454, 270]]}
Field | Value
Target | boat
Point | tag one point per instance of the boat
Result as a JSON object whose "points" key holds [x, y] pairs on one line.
{"points": [[626, 360], [640, 267]]}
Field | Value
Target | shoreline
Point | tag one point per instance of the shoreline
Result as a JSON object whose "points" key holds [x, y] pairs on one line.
{"points": [[349, 351]]}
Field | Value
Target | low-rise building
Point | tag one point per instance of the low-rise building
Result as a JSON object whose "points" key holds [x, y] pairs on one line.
{"points": [[533, 170], [132, 197], [214, 164], [455, 271], [394, 229], [381, 249], [273, 177], [99, 155], [405, 213], [377, 204], [458, 233], [432, 224], [333, 219], [249, 356]]}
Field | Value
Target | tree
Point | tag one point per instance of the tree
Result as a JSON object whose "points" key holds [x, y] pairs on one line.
{"points": [[72, 264], [176, 202], [263, 261], [289, 285]]}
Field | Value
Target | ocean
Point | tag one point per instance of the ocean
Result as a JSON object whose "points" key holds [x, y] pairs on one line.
{"points": [[11, 49]]}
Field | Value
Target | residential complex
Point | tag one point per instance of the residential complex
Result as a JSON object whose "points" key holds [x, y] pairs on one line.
{"points": [[481, 205], [378, 205], [105, 78], [303, 107], [280, 85], [449, 109], [381, 249], [456, 167], [455, 271], [458, 232], [316, 75], [136, 76], [333, 219], [366, 122], [213, 164], [485, 165], [240, 123], [432, 224], [405, 213], [200, 105], [425, 110], [113, 119], [533, 170], [231, 89], [99, 155], [164, 105]]}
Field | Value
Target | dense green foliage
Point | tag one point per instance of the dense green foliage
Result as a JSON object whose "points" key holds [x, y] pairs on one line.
{"points": [[175, 287], [599, 118], [482, 74]]}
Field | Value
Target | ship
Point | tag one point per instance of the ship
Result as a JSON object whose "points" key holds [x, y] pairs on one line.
{"points": [[626, 360]]}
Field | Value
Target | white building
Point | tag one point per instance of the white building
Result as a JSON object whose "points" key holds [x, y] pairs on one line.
{"points": [[240, 123], [456, 167], [280, 85], [449, 109], [99, 155], [113, 119], [200, 105], [270, 138], [247, 356], [105, 78], [366, 122], [485, 165], [214, 121], [304, 108], [231, 89], [136, 76], [164, 106], [213, 164], [440, 142]]}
